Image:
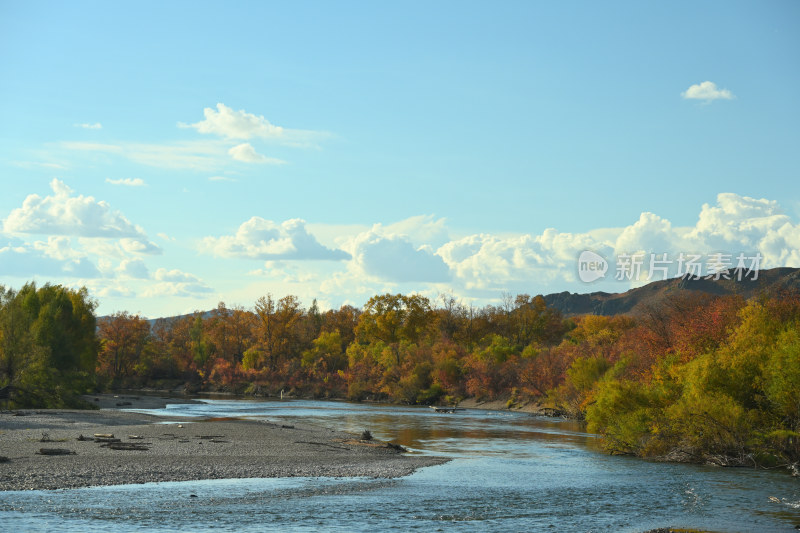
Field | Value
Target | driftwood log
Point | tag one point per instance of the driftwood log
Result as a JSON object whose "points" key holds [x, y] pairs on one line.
{"points": [[55, 451], [131, 446]]}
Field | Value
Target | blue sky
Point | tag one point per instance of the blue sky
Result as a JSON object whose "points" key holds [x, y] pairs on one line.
{"points": [[184, 153]]}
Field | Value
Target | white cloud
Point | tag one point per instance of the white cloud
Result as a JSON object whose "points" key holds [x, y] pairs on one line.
{"points": [[394, 258], [736, 224], [132, 278], [51, 259], [105, 248], [258, 238], [288, 273], [175, 275], [87, 126], [112, 292], [92, 147], [197, 155], [133, 268], [240, 125], [104, 237], [420, 230], [221, 178], [65, 214], [707, 91], [213, 155], [39, 164], [139, 246], [751, 224], [487, 261], [231, 124], [128, 182], [58, 248], [246, 153], [196, 289], [650, 232]]}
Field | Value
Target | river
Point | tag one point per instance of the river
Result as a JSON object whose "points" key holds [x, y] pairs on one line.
{"points": [[510, 472]]}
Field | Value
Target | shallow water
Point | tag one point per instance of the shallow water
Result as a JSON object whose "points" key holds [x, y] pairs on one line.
{"points": [[510, 472]]}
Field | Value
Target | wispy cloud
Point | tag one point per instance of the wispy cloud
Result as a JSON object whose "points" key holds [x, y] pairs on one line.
{"points": [[246, 153], [234, 125], [128, 182], [87, 126], [39, 164], [707, 91], [228, 125], [177, 283], [92, 147], [197, 155], [221, 178]]}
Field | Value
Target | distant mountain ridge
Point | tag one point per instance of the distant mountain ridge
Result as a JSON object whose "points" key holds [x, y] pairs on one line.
{"points": [[629, 302]]}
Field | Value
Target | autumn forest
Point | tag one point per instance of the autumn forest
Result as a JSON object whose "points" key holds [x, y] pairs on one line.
{"points": [[694, 377]]}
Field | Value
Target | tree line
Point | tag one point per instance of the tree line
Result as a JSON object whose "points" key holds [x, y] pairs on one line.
{"points": [[402, 348], [694, 377]]}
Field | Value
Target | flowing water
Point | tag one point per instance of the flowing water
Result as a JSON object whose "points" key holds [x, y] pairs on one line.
{"points": [[510, 472]]}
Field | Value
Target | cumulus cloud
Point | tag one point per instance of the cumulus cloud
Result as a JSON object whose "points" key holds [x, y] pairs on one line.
{"points": [[231, 124], [62, 213], [735, 225], [650, 232], [87, 126], [749, 223], [128, 182], [65, 214], [421, 230], [394, 258], [488, 261], [133, 268], [58, 248], [53, 258], [246, 153], [707, 91], [259, 238]]}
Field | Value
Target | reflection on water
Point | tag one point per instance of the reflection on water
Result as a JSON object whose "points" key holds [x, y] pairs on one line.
{"points": [[418, 428], [510, 472]]}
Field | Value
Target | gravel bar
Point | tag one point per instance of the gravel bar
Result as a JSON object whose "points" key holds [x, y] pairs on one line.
{"points": [[180, 450]]}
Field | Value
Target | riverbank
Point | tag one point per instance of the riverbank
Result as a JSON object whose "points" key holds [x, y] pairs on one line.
{"points": [[135, 400], [162, 449], [533, 407], [157, 399]]}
